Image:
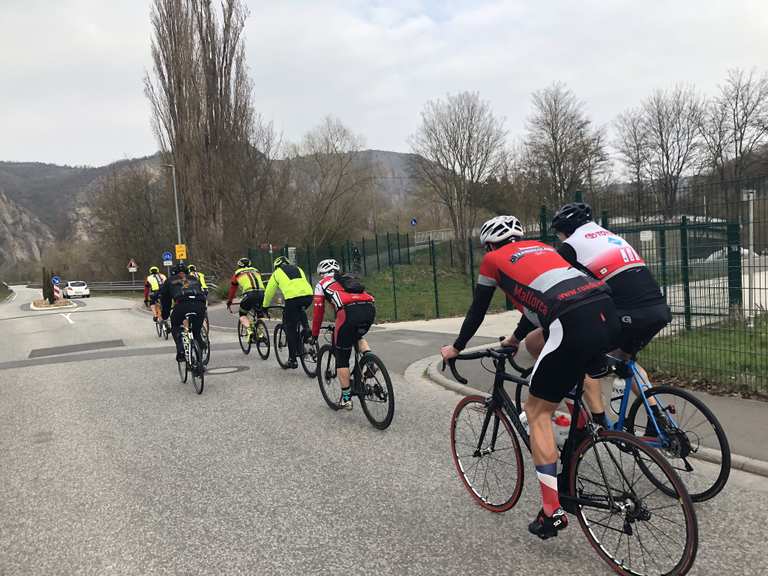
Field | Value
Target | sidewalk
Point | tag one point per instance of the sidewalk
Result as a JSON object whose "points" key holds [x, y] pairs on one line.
{"points": [[745, 421]]}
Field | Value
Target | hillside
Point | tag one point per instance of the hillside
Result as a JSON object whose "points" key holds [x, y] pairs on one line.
{"points": [[23, 237]]}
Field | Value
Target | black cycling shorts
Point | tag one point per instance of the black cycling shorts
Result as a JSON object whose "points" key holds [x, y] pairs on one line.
{"points": [[576, 343], [640, 325], [352, 323], [154, 297], [251, 301]]}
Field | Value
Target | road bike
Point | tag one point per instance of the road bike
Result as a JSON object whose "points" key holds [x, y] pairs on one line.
{"points": [[675, 422], [193, 356], [370, 382], [259, 335], [308, 352], [162, 329], [631, 505]]}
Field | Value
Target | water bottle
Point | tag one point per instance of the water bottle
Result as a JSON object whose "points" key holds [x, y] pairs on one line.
{"points": [[524, 422], [561, 424], [617, 393]]}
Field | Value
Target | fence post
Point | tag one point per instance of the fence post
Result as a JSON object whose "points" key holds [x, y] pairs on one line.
{"points": [[431, 259], [734, 266], [365, 260], [663, 258], [578, 196], [378, 258], [309, 270], [471, 267], [434, 277], [394, 291], [389, 251], [399, 254], [543, 223], [450, 248], [684, 269], [604, 219]]}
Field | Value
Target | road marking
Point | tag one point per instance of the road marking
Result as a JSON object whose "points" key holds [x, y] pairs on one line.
{"points": [[411, 342], [67, 317]]}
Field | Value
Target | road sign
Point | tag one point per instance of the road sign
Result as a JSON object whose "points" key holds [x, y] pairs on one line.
{"points": [[414, 221], [167, 258], [55, 280], [56, 292], [132, 266], [181, 251]]}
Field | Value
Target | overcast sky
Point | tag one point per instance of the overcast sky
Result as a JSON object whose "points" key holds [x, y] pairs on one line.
{"points": [[71, 70]]}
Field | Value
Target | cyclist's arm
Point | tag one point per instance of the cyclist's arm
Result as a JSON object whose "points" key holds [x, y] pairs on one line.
{"points": [[318, 310], [146, 290], [232, 289], [269, 293], [475, 314], [569, 255], [524, 327]]}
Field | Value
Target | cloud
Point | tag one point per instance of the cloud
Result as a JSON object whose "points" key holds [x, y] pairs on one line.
{"points": [[72, 70]]}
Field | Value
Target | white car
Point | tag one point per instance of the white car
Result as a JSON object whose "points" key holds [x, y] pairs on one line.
{"points": [[76, 289]]}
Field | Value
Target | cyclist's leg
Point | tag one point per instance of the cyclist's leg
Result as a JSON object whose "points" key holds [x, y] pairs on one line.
{"points": [[196, 321], [344, 339], [291, 313], [177, 317], [304, 303], [246, 303]]}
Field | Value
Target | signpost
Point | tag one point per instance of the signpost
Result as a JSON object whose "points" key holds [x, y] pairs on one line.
{"points": [[414, 221], [181, 251], [133, 268], [55, 280], [167, 261]]}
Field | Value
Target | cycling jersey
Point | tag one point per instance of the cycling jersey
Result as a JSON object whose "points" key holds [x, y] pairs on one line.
{"points": [[330, 289], [536, 279], [201, 277], [152, 284], [291, 281], [247, 279], [609, 257], [178, 289]]}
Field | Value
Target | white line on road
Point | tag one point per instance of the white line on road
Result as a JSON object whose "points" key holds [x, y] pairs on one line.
{"points": [[67, 317]]}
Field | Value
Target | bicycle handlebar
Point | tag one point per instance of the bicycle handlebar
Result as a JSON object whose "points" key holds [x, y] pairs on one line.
{"points": [[506, 353]]}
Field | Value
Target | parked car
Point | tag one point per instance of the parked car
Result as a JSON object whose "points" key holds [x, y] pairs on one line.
{"points": [[76, 289]]}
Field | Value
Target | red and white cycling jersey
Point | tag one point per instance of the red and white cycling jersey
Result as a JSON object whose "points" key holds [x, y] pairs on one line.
{"points": [[328, 288], [602, 252]]}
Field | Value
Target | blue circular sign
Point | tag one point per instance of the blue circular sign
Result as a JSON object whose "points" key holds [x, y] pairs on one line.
{"points": [[414, 222], [55, 280], [167, 255]]}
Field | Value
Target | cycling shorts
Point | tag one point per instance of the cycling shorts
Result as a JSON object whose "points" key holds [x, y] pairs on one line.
{"points": [[640, 325], [352, 323], [154, 297], [251, 301], [576, 343]]}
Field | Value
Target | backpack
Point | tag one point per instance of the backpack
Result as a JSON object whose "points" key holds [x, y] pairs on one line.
{"points": [[350, 283]]}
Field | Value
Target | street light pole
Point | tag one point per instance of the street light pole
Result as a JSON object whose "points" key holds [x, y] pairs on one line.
{"points": [[175, 201]]}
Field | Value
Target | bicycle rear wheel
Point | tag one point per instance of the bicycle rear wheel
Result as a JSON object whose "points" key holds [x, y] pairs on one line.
{"points": [[309, 359], [166, 330], [183, 368], [487, 455], [159, 329], [689, 426], [377, 397], [330, 387], [281, 347], [633, 525], [242, 336], [205, 344], [261, 336], [197, 368]]}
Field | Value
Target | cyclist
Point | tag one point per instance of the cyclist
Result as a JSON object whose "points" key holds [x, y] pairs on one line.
{"points": [[355, 314], [641, 307], [200, 277], [297, 293], [152, 285], [580, 325], [185, 294], [248, 280]]}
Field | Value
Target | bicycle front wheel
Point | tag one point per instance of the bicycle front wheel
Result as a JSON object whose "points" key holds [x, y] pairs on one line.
{"points": [[261, 335], [689, 428], [635, 527], [242, 336], [330, 387], [197, 368], [487, 455], [281, 347], [377, 397]]}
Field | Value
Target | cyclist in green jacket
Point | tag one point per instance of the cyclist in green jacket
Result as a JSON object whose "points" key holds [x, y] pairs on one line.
{"points": [[297, 293]]}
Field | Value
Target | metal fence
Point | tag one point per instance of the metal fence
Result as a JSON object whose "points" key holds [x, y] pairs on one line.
{"points": [[708, 251]]}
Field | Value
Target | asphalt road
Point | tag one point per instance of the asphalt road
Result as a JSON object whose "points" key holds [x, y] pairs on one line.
{"points": [[108, 465]]}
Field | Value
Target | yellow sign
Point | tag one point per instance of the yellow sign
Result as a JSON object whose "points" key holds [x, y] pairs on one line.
{"points": [[181, 251]]}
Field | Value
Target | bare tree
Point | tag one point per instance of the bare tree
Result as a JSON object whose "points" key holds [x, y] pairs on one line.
{"points": [[459, 145], [672, 120], [744, 98], [561, 138], [716, 137], [632, 145]]}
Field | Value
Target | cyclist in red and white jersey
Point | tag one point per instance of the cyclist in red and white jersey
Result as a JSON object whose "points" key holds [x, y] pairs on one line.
{"points": [[641, 307], [579, 323], [355, 314]]}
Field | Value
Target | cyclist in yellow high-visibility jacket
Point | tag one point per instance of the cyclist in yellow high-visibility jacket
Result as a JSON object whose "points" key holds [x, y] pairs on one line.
{"points": [[247, 280], [297, 293], [152, 286]]}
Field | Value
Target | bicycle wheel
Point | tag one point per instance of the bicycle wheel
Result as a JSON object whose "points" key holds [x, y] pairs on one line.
{"points": [[377, 397], [487, 455], [330, 387], [242, 336], [690, 426], [630, 522], [205, 343], [166, 330], [309, 359], [261, 336], [183, 368], [159, 329], [197, 369], [281, 347]]}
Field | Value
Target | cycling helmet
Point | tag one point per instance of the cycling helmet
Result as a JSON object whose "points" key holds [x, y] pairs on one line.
{"points": [[192, 268], [280, 261], [571, 216], [179, 268], [328, 266], [154, 270], [500, 230], [243, 262]]}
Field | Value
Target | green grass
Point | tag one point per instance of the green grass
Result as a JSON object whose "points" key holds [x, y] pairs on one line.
{"points": [[730, 354], [4, 291], [415, 289]]}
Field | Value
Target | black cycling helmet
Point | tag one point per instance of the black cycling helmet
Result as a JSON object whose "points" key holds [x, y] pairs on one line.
{"points": [[243, 262], [179, 268], [571, 216]]}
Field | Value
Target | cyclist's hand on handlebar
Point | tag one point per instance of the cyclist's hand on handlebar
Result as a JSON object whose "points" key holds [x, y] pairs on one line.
{"points": [[510, 342], [448, 352]]}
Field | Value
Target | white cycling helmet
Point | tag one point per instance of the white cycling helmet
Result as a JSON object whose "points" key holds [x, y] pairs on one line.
{"points": [[501, 229], [328, 266]]}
